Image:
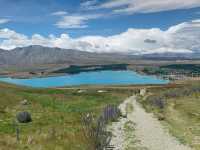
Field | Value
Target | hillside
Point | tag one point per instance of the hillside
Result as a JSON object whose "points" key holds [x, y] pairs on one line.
{"points": [[38, 55], [56, 113], [177, 109], [20, 62]]}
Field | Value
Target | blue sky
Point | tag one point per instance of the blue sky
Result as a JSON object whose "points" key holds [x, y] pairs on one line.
{"points": [[34, 16], [81, 18]]}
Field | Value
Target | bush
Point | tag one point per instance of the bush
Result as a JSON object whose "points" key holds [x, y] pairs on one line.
{"points": [[157, 101], [180, 92], [111, 113], [95, 130]]}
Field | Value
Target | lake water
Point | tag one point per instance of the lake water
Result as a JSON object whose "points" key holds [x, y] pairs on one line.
{"points": [[88, 78]]}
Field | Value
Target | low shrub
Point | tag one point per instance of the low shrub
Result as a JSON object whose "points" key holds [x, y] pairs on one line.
{"points": [[180, 92], [157, 101], [95, 129], [111, 113]]}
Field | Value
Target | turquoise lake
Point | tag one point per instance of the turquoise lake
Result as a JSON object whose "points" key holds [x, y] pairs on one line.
{"points": [[88, 78]]}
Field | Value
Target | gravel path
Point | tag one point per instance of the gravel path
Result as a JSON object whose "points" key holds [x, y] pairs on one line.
{"points": [[148, 131], [118, 139]]}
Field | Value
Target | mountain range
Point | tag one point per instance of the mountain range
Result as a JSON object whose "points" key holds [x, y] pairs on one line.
{"points": [[39, 55]]}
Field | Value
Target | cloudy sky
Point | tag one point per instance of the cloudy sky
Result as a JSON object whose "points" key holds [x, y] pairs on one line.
{"points": [[133, 26]]}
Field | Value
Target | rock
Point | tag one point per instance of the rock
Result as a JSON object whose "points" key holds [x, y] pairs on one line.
{"points": [[24, 117], [101, 91], [142, 92], [24, 102], [81, 91]]}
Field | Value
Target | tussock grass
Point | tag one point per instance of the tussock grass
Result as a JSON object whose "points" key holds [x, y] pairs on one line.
{"points": [[56, 116], [180, 111]]}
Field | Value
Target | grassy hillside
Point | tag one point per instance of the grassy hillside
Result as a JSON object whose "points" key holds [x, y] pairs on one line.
{"points": [[178, 109], [55, 113]]}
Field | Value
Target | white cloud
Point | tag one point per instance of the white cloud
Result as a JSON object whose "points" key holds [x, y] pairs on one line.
{"points": [[146, 6], [11, 39], [88, 4], [76, 21], [3, 20], [180, 38], [59, 13]]}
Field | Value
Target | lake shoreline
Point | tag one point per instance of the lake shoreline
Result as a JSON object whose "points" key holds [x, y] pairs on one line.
{"points": [[70, 70], [117, 77]]}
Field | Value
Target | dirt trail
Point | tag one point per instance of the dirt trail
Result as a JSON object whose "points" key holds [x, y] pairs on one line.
{"points": [[148, 133]]}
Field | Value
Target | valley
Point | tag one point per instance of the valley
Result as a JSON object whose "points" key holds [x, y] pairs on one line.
{"points": [[99, 75]]}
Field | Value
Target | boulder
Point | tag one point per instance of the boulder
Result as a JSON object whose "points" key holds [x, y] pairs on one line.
{"points": [[81, 91], [24, 102], [101, 91], [24, 117]]}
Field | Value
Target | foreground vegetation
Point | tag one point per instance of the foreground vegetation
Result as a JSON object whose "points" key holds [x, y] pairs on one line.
{"points": [[178, 109], [56, 116]]}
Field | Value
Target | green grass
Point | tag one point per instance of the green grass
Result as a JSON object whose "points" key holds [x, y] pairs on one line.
{"points": [[129, 129], [181, 113], [55, 113]]}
